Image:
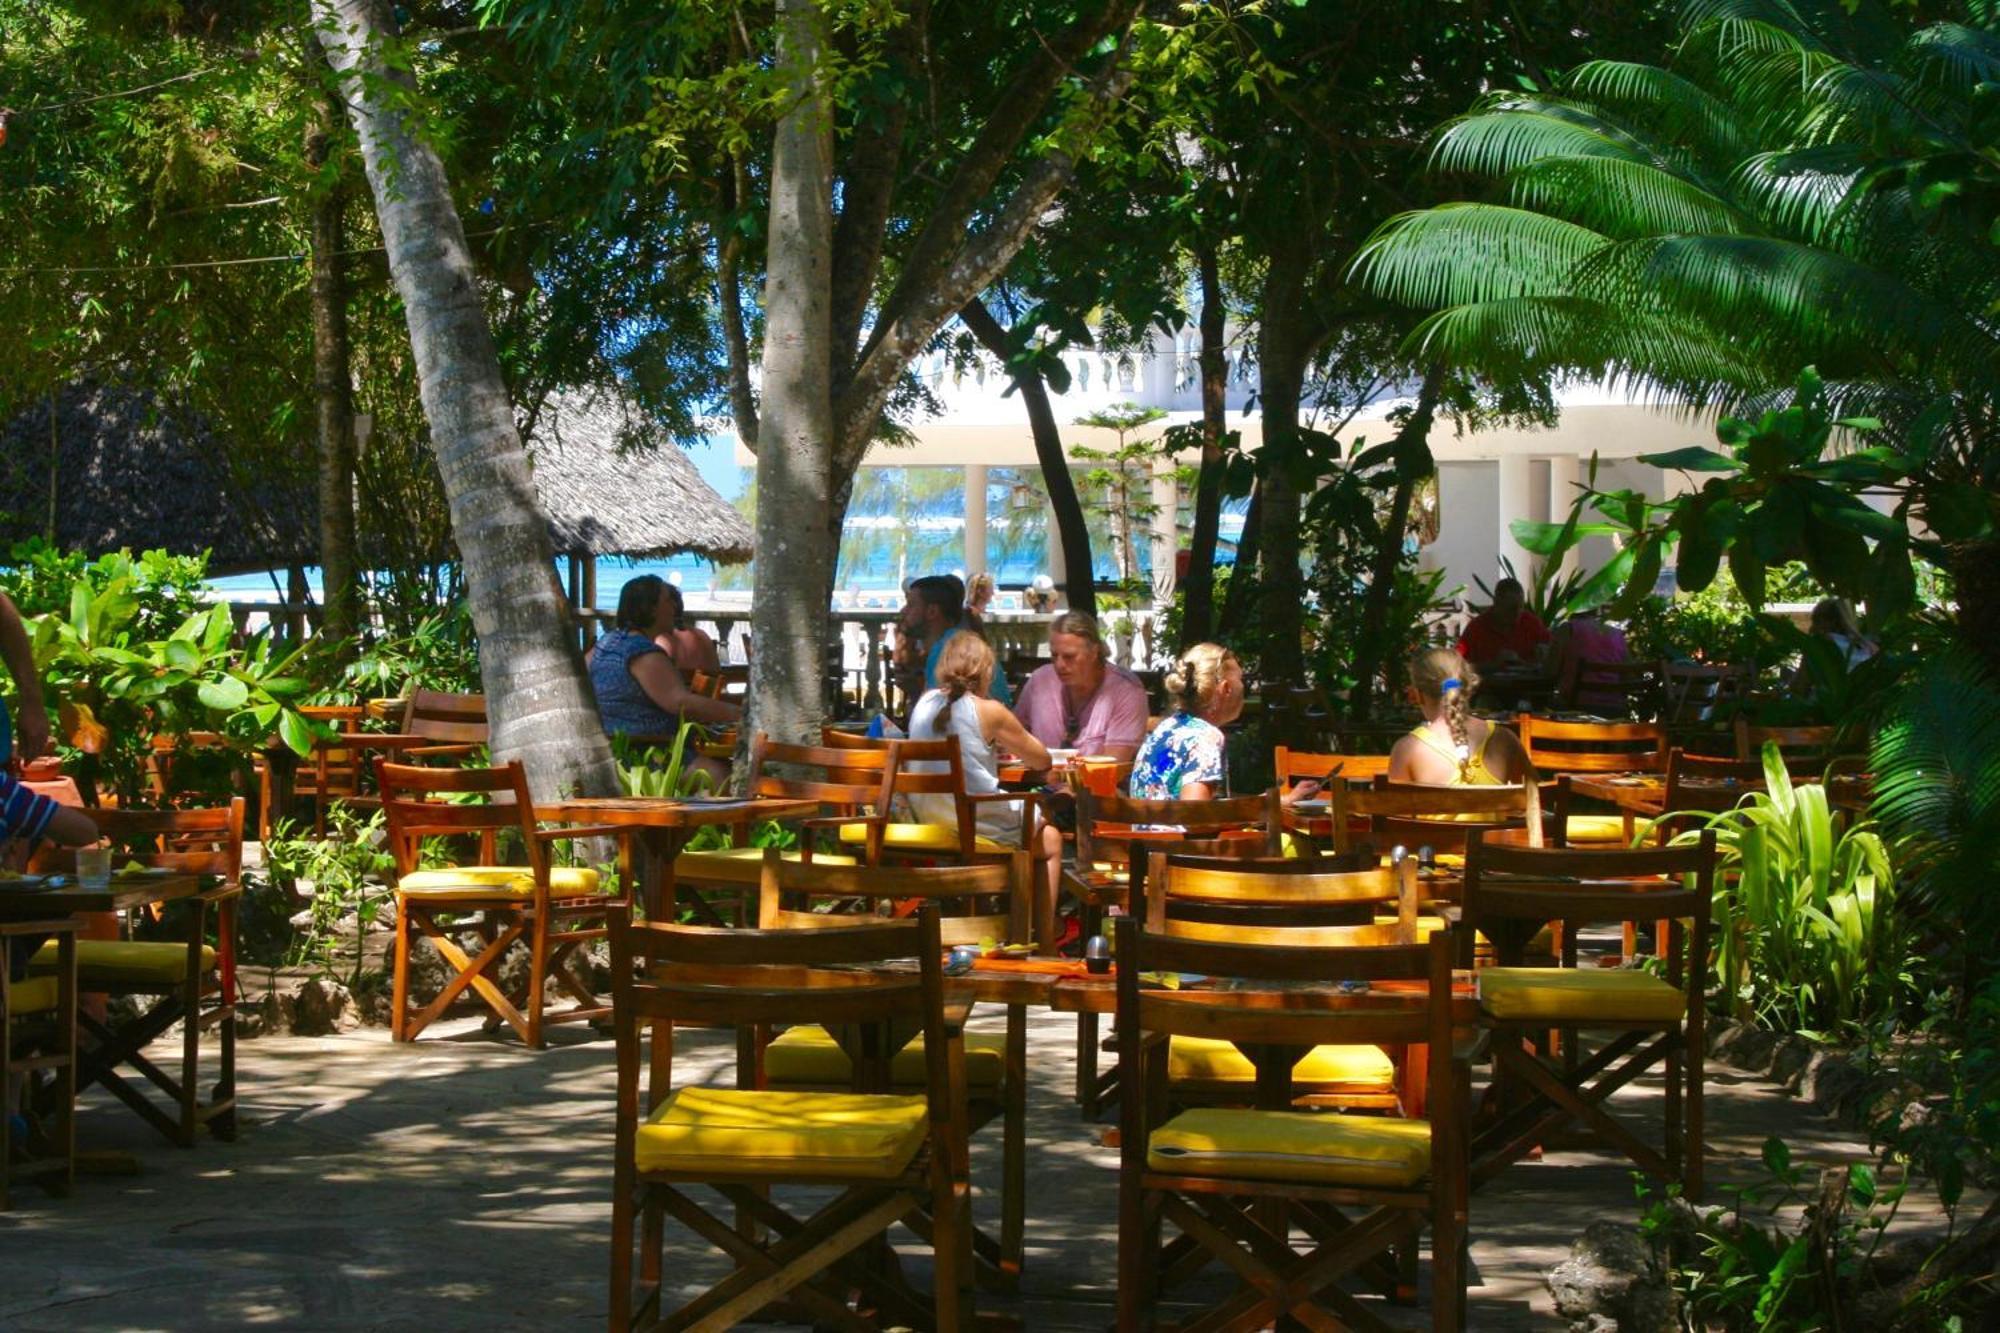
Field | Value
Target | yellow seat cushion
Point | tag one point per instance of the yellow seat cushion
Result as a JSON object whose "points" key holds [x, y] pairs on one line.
{"points": [[732, 1131], [809, 1054], [731, 861], [124, 962], [497, 882], [1599, 828], [1356, 1150], [919, 838], [1575, 994], [1210, 1060], [1427, 926], [36, 995]]}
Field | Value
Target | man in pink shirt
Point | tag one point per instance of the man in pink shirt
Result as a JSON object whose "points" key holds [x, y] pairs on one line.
{"points": [[1080, 701]]}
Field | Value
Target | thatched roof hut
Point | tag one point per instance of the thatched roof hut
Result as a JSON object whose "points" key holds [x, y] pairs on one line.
{"points": [[118, 469]]}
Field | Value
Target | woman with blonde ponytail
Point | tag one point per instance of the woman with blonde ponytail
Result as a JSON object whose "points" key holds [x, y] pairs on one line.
{"points": [[1452, 748], [1183, 759]]}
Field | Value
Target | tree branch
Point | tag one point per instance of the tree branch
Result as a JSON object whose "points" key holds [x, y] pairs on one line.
{"points": [[868, 189], [729, 255]]}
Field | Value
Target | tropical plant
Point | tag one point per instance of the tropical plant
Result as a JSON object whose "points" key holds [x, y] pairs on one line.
{"points": [[440, 652], [341, 874], [659, 771], [1805, 937], [1120, 480]]}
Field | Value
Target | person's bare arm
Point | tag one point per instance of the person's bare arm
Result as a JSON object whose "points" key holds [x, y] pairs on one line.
{"points": [[665, 687], [1008, 733], [32, 714], [1197, 791], [1513, 756]]}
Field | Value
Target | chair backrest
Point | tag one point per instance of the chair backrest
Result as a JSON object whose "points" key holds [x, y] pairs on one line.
{"points": [[1262, 904], [1294, 765], [1511, 892], [667, 975], [1634, 688], [451, 718], [198, 842], [1805, 749], [1414, 814], [975, 902], [1695, 782], [708, 684], [418, 803], [844, 781], [1593, 747], [1104, 824], [1704, 692]]}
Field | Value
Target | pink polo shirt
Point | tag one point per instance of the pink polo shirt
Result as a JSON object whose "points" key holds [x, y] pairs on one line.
{"points": [[1115, 715]]}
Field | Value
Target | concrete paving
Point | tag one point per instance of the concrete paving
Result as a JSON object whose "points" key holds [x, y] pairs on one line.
{"points": [[463, 1182]]}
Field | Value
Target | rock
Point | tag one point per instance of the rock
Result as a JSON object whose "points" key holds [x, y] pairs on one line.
{"points": [[322, 1007], [1610, 1282], [1746, 1046], [1831, 1080], [261, 1017], [1789, 1061]]}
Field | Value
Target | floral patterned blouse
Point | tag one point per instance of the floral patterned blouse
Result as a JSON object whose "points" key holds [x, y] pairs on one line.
{"points": [[1182, 749]]}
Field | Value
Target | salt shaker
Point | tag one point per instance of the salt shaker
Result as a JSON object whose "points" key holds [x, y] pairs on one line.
{"points": [[1097, 954]]}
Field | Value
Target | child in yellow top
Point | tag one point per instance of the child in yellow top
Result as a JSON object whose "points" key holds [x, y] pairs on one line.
{"points": [[1452, 748]]}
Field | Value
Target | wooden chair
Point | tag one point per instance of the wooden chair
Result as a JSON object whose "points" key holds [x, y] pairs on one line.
{"points": [[1235, 1181], [1297, 765], [884, 1157], [1616, 689], [552, 910], [935, 768], [1562, 748], [708, 684], [1701, 785], [457, 722], [1288, 904], [186, 980], [1805, 750], [848, 784], [1699, 692], [335, 773], [1412, 815], [1510, 893], [985, 902], [1110, 871], [38, 1048], [1298, 712]]}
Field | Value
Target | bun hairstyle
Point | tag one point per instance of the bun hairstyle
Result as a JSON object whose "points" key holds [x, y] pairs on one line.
{"points": [[1442, 674], [979, 589], [1197, 676], [965, 666]]}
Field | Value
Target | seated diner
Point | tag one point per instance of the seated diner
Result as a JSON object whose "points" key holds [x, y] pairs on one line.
{"points": [[1080, 701], [640, 692], [1451, 747]]}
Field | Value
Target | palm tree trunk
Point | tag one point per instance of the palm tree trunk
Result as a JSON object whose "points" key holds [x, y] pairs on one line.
{"points": [[797, 545], [1413, 465], [1283, 351], [333, 391], [1244, 574], [538, 699], [1198, 589]]}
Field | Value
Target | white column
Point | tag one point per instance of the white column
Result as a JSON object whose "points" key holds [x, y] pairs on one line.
{"points": [[1565, 475], [1053, 559], [1516, 474], [975, 519], [1166, 535]]}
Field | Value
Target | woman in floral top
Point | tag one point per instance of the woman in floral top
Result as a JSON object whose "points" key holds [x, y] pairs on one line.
{"points": [[1183, 759]]}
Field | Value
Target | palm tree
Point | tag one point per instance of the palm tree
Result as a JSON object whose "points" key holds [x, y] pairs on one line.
{"points": [[1806, 186]]}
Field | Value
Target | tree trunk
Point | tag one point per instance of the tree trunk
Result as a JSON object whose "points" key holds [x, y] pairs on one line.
{"points": [[1072, 528], [1198, 589], [1284, 348], [1413, 465], [796, 544], [538, 699], [333, 389], [1243, 576], [1975, 569]]}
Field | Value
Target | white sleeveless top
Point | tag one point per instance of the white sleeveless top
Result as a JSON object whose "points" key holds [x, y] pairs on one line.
{"points": [[935, 718]]}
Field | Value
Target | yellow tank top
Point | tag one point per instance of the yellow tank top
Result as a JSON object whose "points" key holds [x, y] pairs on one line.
{"points": [[1473, 773]]}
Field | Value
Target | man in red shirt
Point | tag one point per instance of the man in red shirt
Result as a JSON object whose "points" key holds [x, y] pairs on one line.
{"points": [[1506, 633]]}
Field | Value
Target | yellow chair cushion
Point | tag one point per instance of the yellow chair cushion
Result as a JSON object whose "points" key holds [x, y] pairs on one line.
{"points": [[496, 882], [919, 838], [732, 1131], [1207, 1060], [1427, 926], [36, 995], [809, 1054], [1576, 994], [1599, 828], [124, 962], [730, 861], [1358, 1150]]}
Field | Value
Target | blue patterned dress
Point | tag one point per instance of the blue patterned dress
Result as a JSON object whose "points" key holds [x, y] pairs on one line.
{"points": [[1182, 749]]}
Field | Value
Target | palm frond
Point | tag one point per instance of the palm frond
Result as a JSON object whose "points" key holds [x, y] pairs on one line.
{"points": [[1493, 143], [1937, 787], [1803, 190], [1621, 198], [1956, 56], [1539, 336], [1458, 253], [1671, 104]]}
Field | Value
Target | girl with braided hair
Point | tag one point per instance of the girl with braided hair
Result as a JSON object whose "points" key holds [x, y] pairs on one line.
{"points": [[1452, 748]]}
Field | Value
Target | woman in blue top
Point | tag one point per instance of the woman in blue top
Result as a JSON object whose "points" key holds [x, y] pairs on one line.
{"points": [[639, 690], [1183, 759]]}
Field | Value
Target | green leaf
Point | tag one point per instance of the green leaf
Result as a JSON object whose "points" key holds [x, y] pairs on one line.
{"points": [[1693, 458], [225, 694], [296, 733]]}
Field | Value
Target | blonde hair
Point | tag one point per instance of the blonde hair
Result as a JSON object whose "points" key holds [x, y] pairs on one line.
{"points": [[1197, 676], [965, 666], [979, 589], [1442, 674]]}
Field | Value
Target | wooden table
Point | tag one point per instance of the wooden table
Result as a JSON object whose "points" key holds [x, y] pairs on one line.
{"points": [[663, 825], [1644, 795], [121, 894]]}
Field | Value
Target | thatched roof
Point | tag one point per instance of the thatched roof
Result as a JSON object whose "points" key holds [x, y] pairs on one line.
{"points": [[606, 496], [128, 472]]}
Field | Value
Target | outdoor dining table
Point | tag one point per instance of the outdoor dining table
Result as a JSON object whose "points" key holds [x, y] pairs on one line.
{"points": [[664, 824], [1643, 795]]}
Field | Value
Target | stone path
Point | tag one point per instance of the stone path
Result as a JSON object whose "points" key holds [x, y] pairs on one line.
{"points": [[463, 1182]]}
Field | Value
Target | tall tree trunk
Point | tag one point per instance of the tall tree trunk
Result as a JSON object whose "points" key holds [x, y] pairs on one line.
{"points": [[1198, 589], [1284, 348], [537, 696], [333, 387], [797, 544], [1413, 464], [1236, 610], [1072, 528]]}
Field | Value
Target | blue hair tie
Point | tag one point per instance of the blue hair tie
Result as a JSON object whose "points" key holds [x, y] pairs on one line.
{"points": [[1451, 683]]}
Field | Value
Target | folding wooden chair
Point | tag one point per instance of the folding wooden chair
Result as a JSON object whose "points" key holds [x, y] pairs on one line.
{"points": [[1511, 892], [334, 773], [1296, 904], [457, 722], [1699, 693], [553, 910], [1238, 1182], [1110, 871], [935, 768], [185, 980], [885, 1157], [38, 1046], [1700, 786], [1563, 748], [986, 902]]}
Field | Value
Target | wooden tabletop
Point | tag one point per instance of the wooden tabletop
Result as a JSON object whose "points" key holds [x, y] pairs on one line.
{"points": [[1065, 989], [123, 892], [1646, 793], [671, 812]]}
